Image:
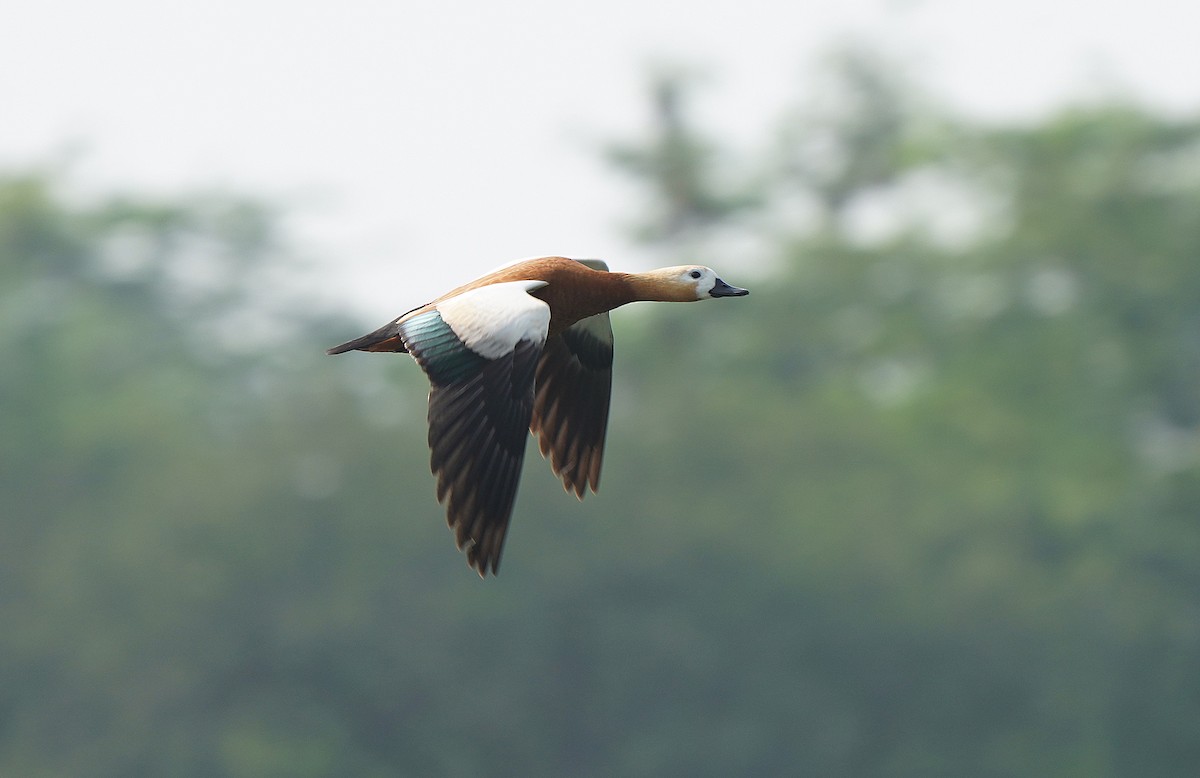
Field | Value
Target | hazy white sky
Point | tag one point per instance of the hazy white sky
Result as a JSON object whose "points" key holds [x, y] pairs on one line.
{"points": [[421, 142]]}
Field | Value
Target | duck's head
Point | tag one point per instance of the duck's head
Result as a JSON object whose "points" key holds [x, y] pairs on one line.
{"points": [[687, 283]]}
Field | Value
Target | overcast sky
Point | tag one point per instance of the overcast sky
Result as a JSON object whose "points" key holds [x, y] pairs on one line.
{"points": [[418, 143]]}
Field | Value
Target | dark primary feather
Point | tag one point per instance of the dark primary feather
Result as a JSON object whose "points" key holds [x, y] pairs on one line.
{"points": [[570, 412], [479, 414]]}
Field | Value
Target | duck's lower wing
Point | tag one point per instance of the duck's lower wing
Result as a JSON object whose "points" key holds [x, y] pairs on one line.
{"points": [[570, 411], [481, 398], [477, 434]]}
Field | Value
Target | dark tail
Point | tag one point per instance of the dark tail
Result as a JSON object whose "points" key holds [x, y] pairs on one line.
{"points": [[386, 338]]}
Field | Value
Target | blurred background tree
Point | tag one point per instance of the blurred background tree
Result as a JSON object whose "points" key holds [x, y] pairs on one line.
{"points": [[926, 503]]}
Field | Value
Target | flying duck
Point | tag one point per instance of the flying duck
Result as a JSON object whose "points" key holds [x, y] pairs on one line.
{"points": [[526, 347]]}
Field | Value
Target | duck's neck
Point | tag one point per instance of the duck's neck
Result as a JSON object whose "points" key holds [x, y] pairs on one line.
{"points": [[657, 286], [599, 292]]}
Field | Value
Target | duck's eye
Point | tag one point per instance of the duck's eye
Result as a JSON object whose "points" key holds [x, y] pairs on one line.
{"points": [[695, 274]]}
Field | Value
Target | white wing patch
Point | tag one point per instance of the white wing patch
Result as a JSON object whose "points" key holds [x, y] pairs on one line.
{"points": [[493, 319]]}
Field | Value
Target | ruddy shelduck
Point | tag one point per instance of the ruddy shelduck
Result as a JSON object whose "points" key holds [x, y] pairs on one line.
{"points": [[526, 347]]}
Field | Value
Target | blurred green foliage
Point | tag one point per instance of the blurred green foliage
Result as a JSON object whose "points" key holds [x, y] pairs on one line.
{"points": [[926, 503]]}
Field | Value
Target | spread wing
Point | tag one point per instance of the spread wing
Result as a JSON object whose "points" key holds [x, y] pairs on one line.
{"points": [[570, 412], [481, 399]]}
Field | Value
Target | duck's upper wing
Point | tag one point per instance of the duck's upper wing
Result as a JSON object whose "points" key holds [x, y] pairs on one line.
{"points": [[570, 412], [480, 351]]}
